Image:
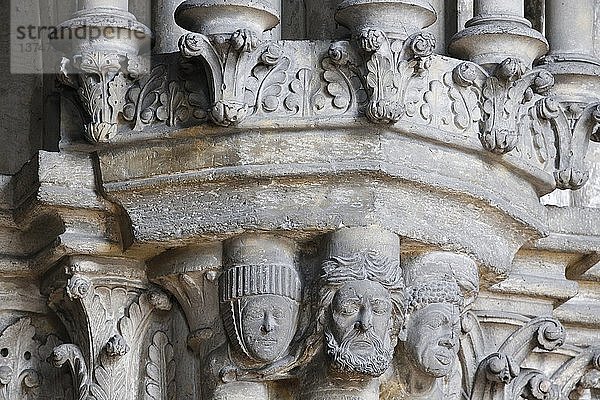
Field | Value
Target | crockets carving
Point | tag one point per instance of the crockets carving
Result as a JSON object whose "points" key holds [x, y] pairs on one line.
{"points": [[502, 94], [245, 75], [102, 80], [580, 373], [160, 369], [499, 376], [109, 323], [395, 75]]}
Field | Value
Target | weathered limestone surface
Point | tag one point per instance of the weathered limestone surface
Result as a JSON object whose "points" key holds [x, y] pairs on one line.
{"points": [[306, 200]]}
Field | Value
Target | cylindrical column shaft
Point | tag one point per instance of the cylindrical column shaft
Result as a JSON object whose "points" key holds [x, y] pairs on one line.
{"points": [[494, 7], [89, 4], [166, 31], [570, 26]]}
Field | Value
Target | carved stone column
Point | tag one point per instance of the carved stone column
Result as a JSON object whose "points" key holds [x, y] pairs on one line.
{"points": [[498, 31], [107, 309], [166, 31], [103, 49]]}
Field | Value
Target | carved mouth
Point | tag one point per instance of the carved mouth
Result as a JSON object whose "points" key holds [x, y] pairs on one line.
{"points": [[361, 344], [267, 342], [443, 359]]}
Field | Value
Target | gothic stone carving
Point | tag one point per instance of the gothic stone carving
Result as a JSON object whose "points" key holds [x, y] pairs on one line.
{"points": [[260, 291], [359, 314], [108, 317], [439, 288]]}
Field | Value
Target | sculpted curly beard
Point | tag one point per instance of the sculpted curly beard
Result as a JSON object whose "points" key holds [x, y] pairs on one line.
{"points": [[342, 359]]}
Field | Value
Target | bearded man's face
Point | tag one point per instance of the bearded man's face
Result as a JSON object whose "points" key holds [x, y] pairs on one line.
{"points": [[358, 334]]}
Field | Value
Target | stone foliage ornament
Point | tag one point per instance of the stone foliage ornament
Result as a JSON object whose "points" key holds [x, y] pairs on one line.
{"points": [[117, 314], [23, 365], [502, 95], [102, 68]]}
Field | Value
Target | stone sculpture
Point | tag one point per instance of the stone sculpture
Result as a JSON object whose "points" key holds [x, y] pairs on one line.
{"points": [[438, 287], [260, 291], [359, 313]]}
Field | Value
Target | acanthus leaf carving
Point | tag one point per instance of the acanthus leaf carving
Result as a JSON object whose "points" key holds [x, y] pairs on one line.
{"points": [[71, 354], [502, 95], [395, 74], [233, 73], [160, 369], [102, 81], [578, 374], [305, 96], [500, 376], [343, 80], [19, 365]]}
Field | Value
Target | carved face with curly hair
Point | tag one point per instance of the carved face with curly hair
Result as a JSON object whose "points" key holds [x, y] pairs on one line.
{"points": [[432, 326], [439, 287], [361, 303]]}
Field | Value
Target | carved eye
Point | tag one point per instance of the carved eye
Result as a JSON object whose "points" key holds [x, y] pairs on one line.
{"points": [[435, 322], [379, 306], [254, 314], [349, 309], [278, 314]]}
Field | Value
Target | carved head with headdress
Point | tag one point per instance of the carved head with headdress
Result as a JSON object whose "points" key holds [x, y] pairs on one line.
{"points": [[361, 300], [440, 285], [260, 291]]}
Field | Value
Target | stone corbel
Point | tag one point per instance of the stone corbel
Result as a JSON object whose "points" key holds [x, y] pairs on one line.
{"points": [[499, 375], [397, 53], [191, 276], [106, 307], [103, 65], [502, 93], [573, 129], [229, 39]]}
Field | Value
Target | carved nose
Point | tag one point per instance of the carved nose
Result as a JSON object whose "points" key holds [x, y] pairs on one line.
{"points": [[365, 319], [268, 324]]}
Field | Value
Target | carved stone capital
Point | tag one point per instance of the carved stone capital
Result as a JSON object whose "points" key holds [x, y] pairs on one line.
{"points": [[395, 73], [502, 94], [104, 64], [105, 307]]}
